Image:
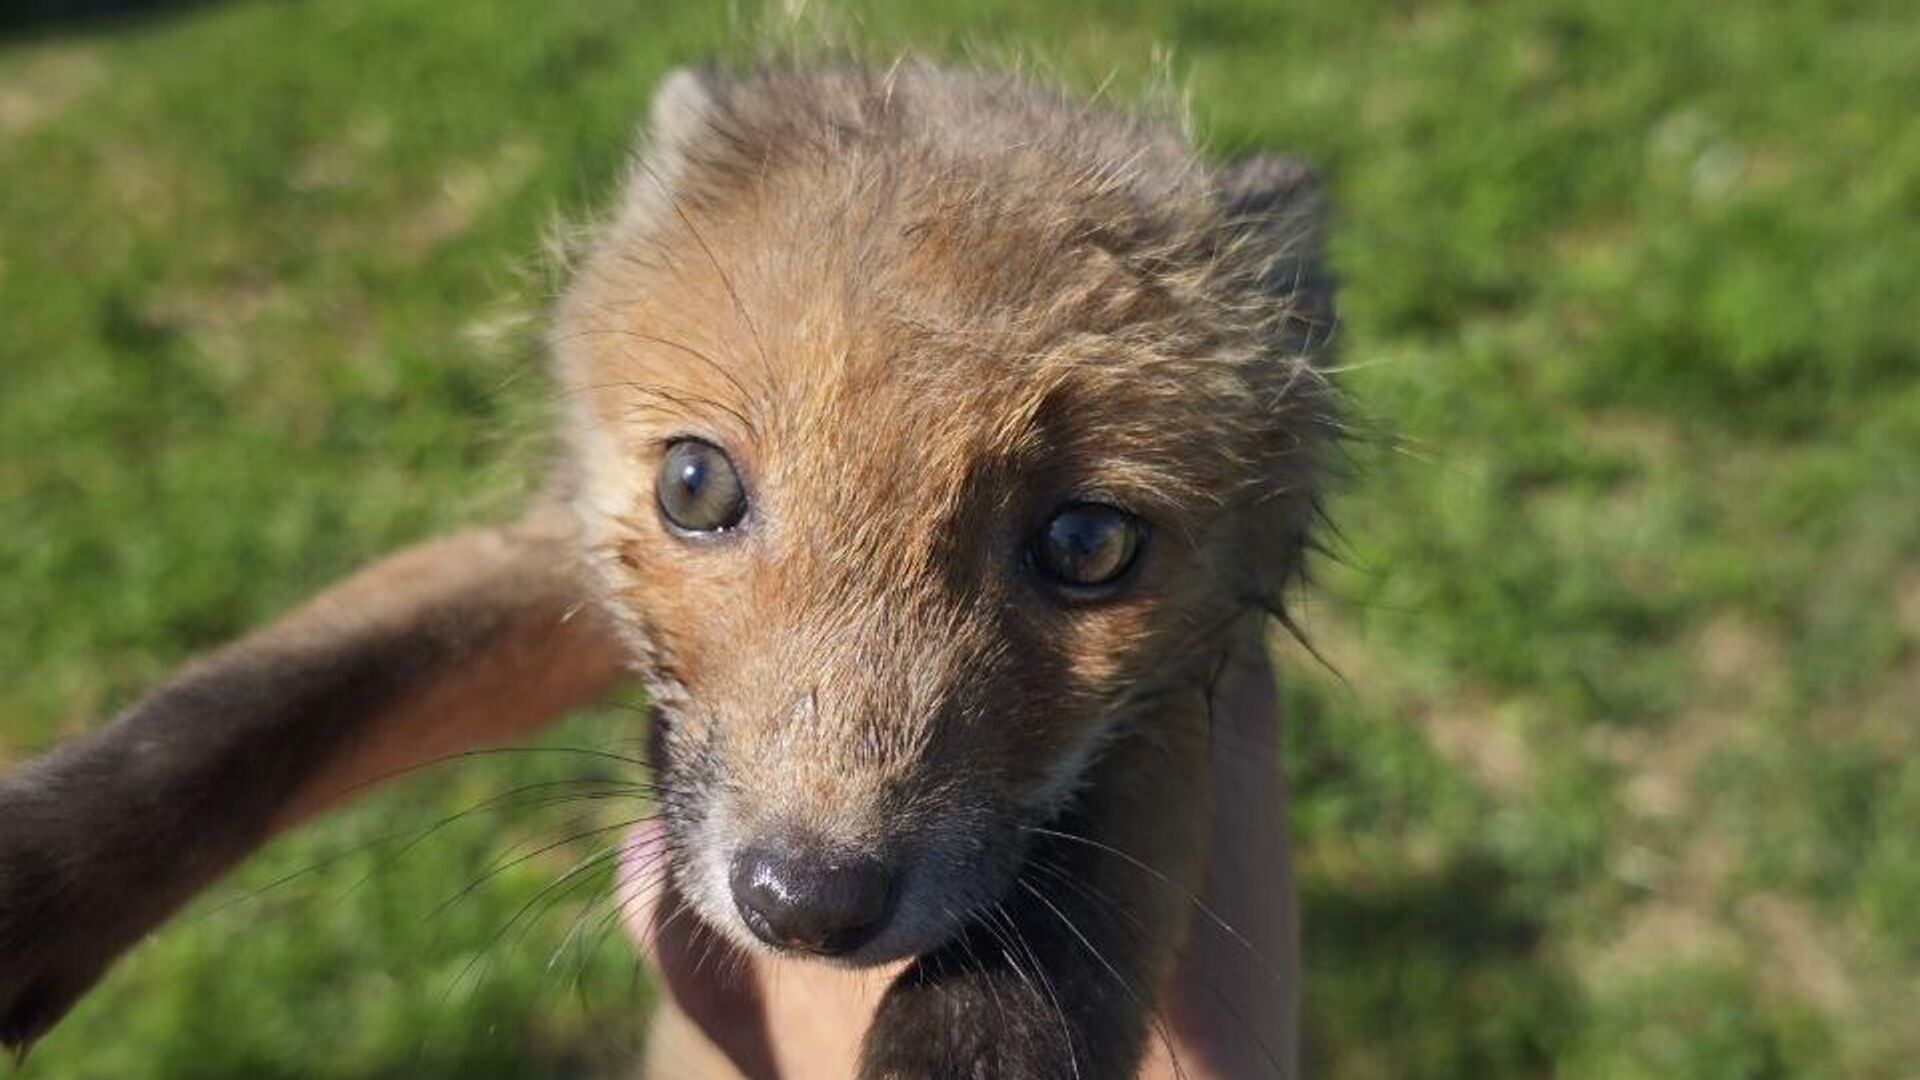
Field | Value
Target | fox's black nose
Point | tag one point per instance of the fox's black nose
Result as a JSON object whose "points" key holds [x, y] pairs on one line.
{"points": [[812, 902]]}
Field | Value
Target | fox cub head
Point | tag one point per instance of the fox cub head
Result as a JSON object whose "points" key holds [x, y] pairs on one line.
{"points": [[929, 428]]}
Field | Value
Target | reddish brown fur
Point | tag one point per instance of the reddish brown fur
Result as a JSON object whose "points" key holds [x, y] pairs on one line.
{"points": [[920, 310]]}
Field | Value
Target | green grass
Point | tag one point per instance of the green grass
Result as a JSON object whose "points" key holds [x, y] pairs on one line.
{"points": [[1621, 781]]}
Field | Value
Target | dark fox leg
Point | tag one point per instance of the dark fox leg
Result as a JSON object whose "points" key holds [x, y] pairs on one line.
{"points": [[456, 643]]}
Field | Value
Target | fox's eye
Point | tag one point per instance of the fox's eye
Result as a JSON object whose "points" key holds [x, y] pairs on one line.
{"points": [[698, 489], [1087, 545]]}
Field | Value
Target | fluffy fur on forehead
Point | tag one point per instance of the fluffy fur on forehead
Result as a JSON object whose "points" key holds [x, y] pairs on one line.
{"points": [[975, 259]]}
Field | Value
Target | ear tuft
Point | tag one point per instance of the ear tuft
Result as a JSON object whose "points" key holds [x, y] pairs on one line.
{"points": [[686, 108], [1275, 205], [684, 104]]}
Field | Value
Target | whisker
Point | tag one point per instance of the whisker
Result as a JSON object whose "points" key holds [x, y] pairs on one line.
{"points": [[1146, 1007], [966, 943], [491, 751], [1220, 996], [500, 868], [414, 836], [1200, 905], [726, 280], [552, 893], [486, 952], [529, 804], [1046, 980], [623, 878], [680, 346]]}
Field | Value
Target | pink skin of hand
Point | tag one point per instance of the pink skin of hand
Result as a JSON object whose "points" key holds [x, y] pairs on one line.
{"points": [[1230, 1012]]}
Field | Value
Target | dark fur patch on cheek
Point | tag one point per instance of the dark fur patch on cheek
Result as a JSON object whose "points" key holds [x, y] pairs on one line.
{"points": [[681, 764]]}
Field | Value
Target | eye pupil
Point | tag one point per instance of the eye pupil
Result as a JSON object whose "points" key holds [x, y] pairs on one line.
{"points": [[699, 491], [692, 475], [1088, 544]]}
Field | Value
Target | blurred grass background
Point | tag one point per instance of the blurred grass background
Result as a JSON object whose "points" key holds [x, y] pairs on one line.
{"points": [[1620, 781]]}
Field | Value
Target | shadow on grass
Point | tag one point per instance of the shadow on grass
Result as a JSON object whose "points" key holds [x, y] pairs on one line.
{"points": [[1440, 974], [34, 18]]}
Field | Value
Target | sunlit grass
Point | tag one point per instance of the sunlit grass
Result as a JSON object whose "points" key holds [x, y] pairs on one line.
{"points": [[1621, 780]]}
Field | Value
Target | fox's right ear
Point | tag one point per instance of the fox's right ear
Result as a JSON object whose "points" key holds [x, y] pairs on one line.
{"points": [[683, 107], [686, 108]]}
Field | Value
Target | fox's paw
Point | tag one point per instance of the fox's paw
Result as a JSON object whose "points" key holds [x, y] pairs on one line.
{"points": [[61, 921], [43, 968]]}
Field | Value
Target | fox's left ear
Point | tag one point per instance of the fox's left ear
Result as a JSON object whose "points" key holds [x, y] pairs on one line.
{"points": [[1274, 214], [1274, 206]]}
